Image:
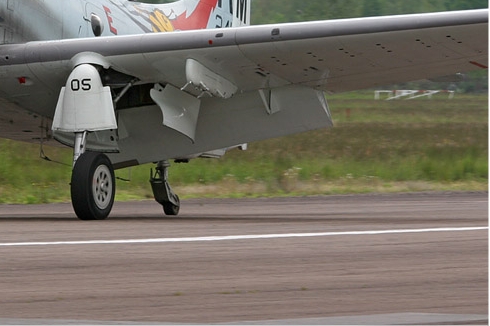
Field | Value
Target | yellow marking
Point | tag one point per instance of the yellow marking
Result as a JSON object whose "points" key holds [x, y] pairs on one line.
{"points": [[160, 22]]}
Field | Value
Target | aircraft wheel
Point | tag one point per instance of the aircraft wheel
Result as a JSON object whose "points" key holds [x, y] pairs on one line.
{"points": [[93, 186], [171, 209]]}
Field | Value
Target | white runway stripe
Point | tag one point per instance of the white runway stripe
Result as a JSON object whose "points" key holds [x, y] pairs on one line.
{"points": [[239, 237]]}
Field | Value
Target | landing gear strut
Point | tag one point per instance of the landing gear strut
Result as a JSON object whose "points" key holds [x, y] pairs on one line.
{"points": [[161, 189]]}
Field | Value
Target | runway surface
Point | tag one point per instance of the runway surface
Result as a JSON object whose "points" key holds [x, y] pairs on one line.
{"points": [[361, 259]]}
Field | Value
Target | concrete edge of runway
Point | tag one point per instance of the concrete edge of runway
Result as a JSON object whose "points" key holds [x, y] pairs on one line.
{"points": [[382, 319]]}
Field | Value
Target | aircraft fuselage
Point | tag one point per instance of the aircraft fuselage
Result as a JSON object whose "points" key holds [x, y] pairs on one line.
{"points": [[27, 20]]}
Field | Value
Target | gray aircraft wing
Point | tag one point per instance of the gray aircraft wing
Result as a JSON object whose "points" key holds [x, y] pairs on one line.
{"points": [[337, 55]]}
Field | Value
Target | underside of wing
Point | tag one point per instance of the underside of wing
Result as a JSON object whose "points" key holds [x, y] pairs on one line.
{"points": [[20, 124], [402, 50]]}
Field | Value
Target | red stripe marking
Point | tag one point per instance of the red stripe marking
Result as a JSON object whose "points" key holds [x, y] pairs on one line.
{"points": [[198, 19], [478, 65]]}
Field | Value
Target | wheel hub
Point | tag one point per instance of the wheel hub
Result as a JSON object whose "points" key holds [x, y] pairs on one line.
{"points": [[102, 187]]}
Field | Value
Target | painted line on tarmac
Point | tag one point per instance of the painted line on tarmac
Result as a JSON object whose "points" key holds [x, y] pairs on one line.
{"points": [[239, 237], [407, 318]]}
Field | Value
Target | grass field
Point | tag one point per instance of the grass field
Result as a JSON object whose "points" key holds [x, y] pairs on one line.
{"points": [[375, 146]]}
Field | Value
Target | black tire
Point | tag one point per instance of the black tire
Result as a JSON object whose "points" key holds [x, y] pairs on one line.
{"points": [[171, 209], [93, 186]]}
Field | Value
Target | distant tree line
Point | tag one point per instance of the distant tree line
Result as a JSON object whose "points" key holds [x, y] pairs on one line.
{"points": [[275, 11]]}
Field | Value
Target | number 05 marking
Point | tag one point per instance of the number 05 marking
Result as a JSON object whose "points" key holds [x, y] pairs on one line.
{"points": [[83, 84]]}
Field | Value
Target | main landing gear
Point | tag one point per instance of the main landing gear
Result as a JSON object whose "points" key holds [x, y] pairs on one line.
{"points": [[86, 105], [93, 187]]}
